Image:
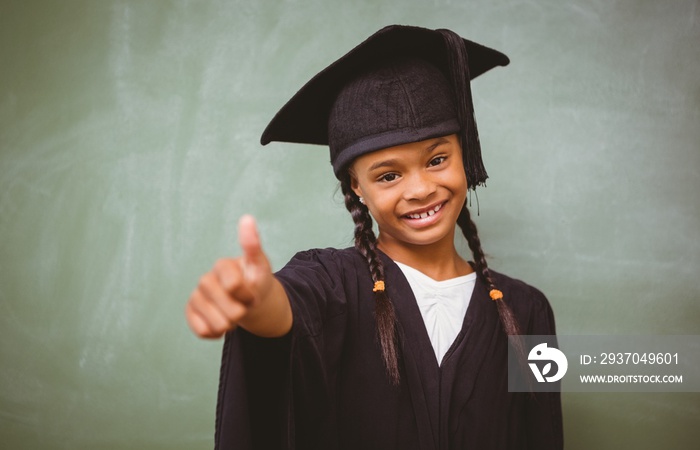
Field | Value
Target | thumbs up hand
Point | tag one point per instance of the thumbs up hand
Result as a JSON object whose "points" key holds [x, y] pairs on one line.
{"points": [[240, 291]]}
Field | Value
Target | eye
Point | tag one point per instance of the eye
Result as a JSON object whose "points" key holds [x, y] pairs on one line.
{"points": [[388, 177], [437, 161]]}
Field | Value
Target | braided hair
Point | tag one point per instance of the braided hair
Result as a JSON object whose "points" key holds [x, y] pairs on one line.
{"points": [[387, 330], [366, 244], [505, 313], [508, 320]]}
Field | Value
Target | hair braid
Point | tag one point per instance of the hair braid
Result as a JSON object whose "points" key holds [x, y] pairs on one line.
{"points": [[366, 244], [505, 313]]}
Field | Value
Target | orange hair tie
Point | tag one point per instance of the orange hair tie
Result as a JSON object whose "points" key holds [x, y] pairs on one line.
{"points": [[495, 294], [378, 286]]}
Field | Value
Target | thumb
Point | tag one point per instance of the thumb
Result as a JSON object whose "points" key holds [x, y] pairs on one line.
{"points": [[255, 263]]}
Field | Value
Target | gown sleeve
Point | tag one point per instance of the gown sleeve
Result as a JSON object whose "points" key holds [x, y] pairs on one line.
{"points": [[275, 393]]}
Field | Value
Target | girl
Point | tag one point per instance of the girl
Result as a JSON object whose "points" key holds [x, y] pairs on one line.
{"points": [[397, 343]]}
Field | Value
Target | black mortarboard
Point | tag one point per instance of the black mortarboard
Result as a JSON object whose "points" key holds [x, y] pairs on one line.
{"points": [[387, 92]]}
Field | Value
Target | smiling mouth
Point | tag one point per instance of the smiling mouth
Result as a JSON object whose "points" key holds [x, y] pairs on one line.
{"points": [[425, 214]]}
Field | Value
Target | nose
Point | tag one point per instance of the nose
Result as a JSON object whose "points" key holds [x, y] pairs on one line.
{"points": [[419, 186]]}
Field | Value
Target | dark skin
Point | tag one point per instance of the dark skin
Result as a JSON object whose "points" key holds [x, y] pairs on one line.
{"points": [[399, 185], [240, 291]]}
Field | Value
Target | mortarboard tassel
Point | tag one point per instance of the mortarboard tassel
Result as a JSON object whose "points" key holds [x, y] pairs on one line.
{"points": [[458, 60]]}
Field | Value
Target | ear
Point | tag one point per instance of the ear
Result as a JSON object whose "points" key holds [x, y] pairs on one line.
{"points": [[354, 185]]}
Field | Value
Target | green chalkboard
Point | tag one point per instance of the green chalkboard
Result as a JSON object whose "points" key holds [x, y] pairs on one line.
{"points": [[129, 148]]}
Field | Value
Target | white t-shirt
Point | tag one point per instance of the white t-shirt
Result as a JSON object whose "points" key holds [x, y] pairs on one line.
{"points": [[442, 304]]}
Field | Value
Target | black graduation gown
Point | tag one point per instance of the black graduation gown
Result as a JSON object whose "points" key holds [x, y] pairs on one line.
{"points": [[323, 386]]}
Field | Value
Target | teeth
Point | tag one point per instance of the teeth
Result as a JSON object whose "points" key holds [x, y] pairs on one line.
{"points": [[425, 214]]}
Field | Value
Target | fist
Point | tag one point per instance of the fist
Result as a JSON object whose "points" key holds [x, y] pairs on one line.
{"points": [[226, 294]]}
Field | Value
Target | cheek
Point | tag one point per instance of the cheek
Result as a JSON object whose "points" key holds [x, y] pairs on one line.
{"points": [[380, 208], [380, 203], [456, 183], [459, 181]]}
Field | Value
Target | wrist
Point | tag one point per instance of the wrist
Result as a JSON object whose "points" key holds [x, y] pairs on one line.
{"points": [[271, 314]]}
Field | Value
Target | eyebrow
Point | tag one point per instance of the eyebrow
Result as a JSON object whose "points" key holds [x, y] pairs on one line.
{"points": [[383, 163], [393, 161]]}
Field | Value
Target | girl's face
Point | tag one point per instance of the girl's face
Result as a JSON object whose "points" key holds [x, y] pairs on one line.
{"points": [[415, 191]]}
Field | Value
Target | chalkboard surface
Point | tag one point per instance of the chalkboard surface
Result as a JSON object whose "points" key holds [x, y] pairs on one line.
{"points": [[129, 148]]}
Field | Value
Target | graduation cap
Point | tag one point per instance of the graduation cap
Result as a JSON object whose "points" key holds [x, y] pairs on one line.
{"points": [[403, 84]]}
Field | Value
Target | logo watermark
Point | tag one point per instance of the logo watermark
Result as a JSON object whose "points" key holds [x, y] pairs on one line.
{"points": [[606, 364], [543, 353]]}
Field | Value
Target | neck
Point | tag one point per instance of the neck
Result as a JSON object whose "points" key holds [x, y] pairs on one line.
{"points": [[440, 260]]}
